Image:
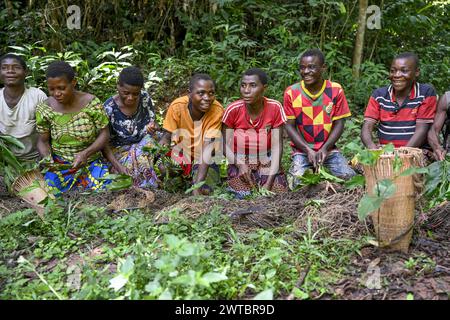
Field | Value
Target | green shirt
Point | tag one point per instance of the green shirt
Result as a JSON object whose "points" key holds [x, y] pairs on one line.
{"points": [[71, 133]]}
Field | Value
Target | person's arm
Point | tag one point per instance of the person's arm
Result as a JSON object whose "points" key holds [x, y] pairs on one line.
{"points": [[276, 152], [336, 131], [81, 157], [420, 135], [366, 134], [228, 140], [109, 155], [166, 138], [300, 142], [43, 144], [433, 133]]}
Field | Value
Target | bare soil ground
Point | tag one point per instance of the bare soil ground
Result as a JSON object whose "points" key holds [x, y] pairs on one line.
{"points": [[422, 273]]}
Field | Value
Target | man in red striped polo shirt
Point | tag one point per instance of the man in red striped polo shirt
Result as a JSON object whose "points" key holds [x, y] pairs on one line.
{"points": [[402, 111]]}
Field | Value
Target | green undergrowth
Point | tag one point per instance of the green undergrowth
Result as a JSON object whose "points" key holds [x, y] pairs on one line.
{"points": [[85, 252]]}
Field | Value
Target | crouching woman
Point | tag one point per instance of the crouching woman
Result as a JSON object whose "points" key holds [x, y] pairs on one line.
{"points": [[73, 128]]}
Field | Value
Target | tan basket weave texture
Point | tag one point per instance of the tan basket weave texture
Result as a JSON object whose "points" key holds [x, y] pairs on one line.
{"points": [[394, 221]]}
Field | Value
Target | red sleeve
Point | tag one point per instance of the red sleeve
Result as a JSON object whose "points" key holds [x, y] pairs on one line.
{"points": [[427, 110], [279, 118], [372, 110], [342, 110], [229, 117], [287, 104]]}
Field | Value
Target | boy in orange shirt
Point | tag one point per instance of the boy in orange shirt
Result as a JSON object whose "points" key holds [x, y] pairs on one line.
{"points": [[193, 123]]}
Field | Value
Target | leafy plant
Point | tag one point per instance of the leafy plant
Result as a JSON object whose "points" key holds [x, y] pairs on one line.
{"points": [[10, 167]]}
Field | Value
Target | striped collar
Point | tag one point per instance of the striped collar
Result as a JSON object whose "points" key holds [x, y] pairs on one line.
{"points": [[413, 93]]}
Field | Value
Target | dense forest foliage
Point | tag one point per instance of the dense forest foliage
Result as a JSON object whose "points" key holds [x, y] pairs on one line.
{"points": [[171, 39]]}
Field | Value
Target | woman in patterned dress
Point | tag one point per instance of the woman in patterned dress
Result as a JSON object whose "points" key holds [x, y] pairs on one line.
{"points": [[132, 127], [73, 128]]}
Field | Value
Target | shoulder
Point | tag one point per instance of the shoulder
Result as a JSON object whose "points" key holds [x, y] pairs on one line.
{"points": [[37, 93], [235, 106], [179, 104], [294, 87], [381, 92], [109, 105], [43, 107], [274, 104], [332, 84], [425, 89], [216, 109]]}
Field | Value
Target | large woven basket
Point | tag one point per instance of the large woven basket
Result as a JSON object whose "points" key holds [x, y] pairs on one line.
{"points": [[394, 221]]}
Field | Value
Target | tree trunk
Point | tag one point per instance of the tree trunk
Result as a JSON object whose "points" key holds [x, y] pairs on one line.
{"points": [[359, 42]]}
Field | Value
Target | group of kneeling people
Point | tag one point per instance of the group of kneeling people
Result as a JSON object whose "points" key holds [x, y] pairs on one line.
{"points": [[85, 139]]}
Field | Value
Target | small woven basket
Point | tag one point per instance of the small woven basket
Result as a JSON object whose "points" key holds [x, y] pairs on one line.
{"points": [[36, 194], [394, 221]]}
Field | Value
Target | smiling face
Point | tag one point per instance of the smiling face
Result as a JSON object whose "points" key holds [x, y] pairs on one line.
{"points": [[129, 95], [12, 73], [202, 95], [61, 89], [311, 70], [252, 90], [402, 74]]}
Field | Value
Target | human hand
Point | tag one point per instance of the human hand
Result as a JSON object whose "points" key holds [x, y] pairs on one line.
{"points": [[79, 159], [245, 173], [321, 155], [121, 169], [312, 157], [152, 127], [267, 186], [439, 154]]}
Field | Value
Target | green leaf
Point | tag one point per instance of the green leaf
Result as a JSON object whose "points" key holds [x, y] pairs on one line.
{"points": [[300, 294], [385, 188], [186, 250], [153, 287], [355, 181], [119, 181], [212, 277], [127, 266], [265, 295], [398, 164], [367, 205], [166, 295], [413, 170], [118, 282], [195, 187], [172, 241], [326, 176], [388, 148], [12, 141]]}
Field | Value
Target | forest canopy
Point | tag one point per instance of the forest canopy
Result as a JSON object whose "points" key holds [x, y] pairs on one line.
{"points": [[171, 39]]}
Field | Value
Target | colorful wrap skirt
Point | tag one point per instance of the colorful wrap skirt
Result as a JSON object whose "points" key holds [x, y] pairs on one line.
{"points": [[84, 178], [139, 163], [241, 188]]}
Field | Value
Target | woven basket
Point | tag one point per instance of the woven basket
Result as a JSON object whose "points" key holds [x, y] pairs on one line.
{"points": [[394, 221], [34, 196]]}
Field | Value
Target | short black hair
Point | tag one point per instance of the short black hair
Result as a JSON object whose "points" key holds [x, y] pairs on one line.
{"points": [[200, 76], [60, 69], [132, 76], [15, 57], [257, 72], [408, 55], [314, 53]]}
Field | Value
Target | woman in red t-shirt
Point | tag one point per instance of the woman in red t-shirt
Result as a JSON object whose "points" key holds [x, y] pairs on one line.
{"points": [[252, 131]]}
